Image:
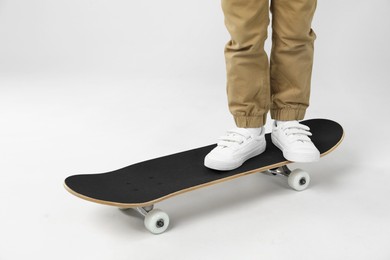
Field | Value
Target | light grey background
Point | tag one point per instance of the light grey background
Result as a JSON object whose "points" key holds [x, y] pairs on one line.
{"points": [[91, 86]]}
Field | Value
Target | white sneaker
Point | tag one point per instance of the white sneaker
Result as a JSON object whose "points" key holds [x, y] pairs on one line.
{"points": [[233, 149], [293, 139]]}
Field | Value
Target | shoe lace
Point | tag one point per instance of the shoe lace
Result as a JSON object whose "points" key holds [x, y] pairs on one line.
{"points": [[296, 131], [233, 137]]}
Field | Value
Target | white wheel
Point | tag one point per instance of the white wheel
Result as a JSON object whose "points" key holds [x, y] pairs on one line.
{"points": [[298, 179], [156, 221]]}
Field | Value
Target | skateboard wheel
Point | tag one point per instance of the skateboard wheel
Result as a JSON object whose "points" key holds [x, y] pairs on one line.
{"points": [[156, 221], [298, 180]]}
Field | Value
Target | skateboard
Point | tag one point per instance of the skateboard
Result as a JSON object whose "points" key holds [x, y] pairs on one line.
{"points": [[141, 185]]}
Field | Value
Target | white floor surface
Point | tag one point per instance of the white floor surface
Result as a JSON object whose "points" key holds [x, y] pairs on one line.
{"points": [[53, 127]]}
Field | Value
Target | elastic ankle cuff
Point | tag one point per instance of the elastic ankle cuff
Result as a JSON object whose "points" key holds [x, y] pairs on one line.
{"points": [[250, 121], [285, 114]]}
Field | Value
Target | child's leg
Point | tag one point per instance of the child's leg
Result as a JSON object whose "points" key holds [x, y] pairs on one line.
{"points": [[246, 61], [291, 67], [291, 57]]}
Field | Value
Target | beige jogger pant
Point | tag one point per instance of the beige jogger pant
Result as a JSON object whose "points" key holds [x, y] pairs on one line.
{"points": [[256, 85]]}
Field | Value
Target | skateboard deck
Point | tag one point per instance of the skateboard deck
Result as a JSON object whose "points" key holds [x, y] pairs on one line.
{"points": [[143, 184]]}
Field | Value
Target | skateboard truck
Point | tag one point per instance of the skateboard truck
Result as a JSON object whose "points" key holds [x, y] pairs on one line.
{"points": [[282, 171], [297, 179], [144, 210]]}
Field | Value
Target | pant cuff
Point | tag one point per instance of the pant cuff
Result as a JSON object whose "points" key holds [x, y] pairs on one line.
{"points": [[250, 121], [286, 114]]}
